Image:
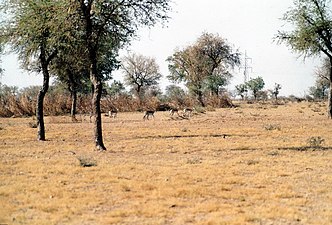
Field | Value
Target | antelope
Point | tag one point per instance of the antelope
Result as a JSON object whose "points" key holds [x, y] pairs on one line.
{"points": [[148, 114], [172, 111], [113, 113], [187, 112]]}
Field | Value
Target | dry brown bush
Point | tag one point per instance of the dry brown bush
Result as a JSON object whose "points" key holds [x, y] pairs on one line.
{"points": [[222, 101], [59, 103], [123, 103]]}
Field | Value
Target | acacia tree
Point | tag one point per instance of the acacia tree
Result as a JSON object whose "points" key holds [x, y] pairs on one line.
{"points": [[67, 71], [319, 90], [204, 64], [69, 67], [255, 85], [276, 90], [176, 94], [321, 87], [110, 24], [33, 29], [117, 88], [241, 89], [312, 34], [220, 58], [140, 72], [214, 83]]}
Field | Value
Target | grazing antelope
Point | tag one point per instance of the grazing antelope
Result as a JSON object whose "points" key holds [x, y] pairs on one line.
{"points": [[113, 113], [187, 112], [148, 114], [172, 111]]}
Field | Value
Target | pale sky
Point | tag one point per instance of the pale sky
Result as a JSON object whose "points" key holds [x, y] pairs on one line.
{"points": [[249, 25]]}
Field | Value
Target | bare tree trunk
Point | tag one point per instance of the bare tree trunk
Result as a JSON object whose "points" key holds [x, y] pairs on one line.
{"points": [[97, 86], [329, 111], [216, 91], [200, 98], [72, 86], [40, 107], [73, 104], [86, 6], [41, 95], [139, 96]]}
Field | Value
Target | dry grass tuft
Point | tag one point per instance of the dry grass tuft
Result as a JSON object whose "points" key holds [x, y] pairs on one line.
{"points": [[86, 161]]}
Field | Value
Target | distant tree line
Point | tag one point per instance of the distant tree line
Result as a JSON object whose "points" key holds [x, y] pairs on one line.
{"points": [[255, 86]]}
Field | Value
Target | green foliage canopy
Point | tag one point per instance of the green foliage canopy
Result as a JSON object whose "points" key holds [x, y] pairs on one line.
{"points": [[203, 65], [276, 90], [312, 33], [140, 72], [312, 22], [255, 85], [241, 89], [32, 28]]}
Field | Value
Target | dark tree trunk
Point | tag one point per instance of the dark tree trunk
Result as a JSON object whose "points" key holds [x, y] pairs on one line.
{"points": [[73, 92], [216, 91], [73, 104], [200, 98], [91, 42], [40, 106], [255, 95], [97, 91], [41, 95], [139, 95], [329, 110]]}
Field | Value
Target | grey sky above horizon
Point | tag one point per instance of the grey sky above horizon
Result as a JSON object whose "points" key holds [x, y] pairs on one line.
{"points": [[249, 26]]}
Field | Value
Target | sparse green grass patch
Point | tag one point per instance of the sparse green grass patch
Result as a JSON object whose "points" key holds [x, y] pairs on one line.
{"points": [[315, 142], [86, 161], [270, 127]]}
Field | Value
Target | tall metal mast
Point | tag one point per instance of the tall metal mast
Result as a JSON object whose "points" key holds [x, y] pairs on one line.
{"points": [[246, 67]]}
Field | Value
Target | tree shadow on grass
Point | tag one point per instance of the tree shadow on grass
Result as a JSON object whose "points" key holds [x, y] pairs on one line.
{"points": [[307, 148], [185, 136]]}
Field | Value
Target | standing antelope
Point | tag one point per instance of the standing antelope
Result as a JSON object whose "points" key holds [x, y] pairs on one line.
{"points": [[172, 111], [113, 113], [148, 114], [187, 112]]}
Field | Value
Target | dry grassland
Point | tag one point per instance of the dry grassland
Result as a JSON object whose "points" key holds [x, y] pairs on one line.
{"points": [[247, 165]]}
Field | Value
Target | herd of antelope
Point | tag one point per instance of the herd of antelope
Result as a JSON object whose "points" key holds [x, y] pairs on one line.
{"points": [[186, 113]]}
